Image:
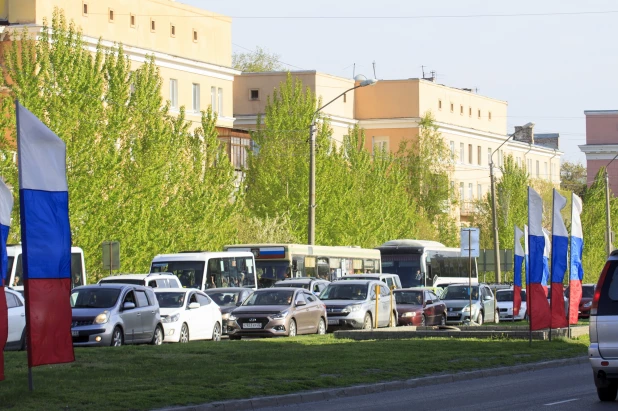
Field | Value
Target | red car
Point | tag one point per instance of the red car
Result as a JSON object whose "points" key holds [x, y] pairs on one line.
{"points": [[586, 302], [419, 306]]}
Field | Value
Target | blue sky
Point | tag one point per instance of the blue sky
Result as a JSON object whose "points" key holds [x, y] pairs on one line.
{"points": [[550, 68]]}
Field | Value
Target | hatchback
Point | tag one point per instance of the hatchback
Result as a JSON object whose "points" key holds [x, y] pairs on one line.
{"points": [[115, 314], [504, 298], [271, 312], [457, 298]]}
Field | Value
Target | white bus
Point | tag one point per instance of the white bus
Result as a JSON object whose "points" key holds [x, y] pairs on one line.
{"points": [[422, 263], [204, 270], [15, 270], [278, 261]]}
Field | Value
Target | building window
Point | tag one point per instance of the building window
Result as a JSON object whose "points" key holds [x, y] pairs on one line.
{"points": [[479, 192], [111, 15], [174, 93], [196, 98], [470, 192], [489, 156], [469, 153], [462, 194], [152, 25], [461, 110], [213, 99], [470, 111], [439, 104], [452, 107], [255, 94], [452, 150], [479, 113], [195, 35], [489, 116], [85, 9], [172, 30], [132, 20], [479, 155], [380, 145], [462, 157], [538, 169], [220, 100]]}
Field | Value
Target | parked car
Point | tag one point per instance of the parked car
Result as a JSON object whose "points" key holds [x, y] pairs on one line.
{"points": [[228, 299], [565, 300], [457, 297], [603, 350], [504, 299], [17, 320], [392, 280], [188, 315], [586, 302], [312, 284], [419, 306], [352, 304], [115, 314], [154, 280], [270, 312]]}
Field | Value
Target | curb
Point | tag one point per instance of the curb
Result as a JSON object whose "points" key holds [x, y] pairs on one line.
{"points": [[356, 390]]}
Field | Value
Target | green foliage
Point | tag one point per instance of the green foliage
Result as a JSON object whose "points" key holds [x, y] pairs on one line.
{"points": [[573, 177], [258, 61]]}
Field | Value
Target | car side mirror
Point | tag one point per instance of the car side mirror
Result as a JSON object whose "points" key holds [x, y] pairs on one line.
{"points": [[300, 303], [238, 304], [193, 306], [128, 306], [428, 302]]}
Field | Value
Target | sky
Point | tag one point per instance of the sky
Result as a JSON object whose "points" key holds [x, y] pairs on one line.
{"points": [[550, 59]]}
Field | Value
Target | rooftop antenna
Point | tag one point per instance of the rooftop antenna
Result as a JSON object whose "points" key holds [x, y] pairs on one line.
{"points": [[423, 70], [374, 69], [354, 71], [433, 75]]}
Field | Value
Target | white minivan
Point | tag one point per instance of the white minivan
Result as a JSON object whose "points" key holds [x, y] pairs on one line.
{"points": [[205, 270], [15, 270]]}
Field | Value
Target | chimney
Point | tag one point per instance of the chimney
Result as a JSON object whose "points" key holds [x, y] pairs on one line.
{"points": [[524, 133]]}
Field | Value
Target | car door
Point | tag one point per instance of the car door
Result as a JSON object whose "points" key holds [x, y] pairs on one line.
{"points": [[429, 308], [387, 304], [195, 318], [131, 318], [302, 313], [489, 304], [209, 314], [16, 317], [147, 313], [314, 312], [439, 307]]}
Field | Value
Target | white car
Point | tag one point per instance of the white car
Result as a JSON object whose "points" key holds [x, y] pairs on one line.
{"points": [[188, 315], [17, 320], [505, 304], [153, 280]]}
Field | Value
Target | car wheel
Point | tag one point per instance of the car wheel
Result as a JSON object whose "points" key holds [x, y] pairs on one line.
{"points": [[157, 338], [235, 337], [322, 327], [393, 322], [479, 319], [608, 393], [216, 332], [292, 328], [423, 321], [497, 317], [117, 337], [184, 333], [367, 322], [22, 344], [443, 319]]}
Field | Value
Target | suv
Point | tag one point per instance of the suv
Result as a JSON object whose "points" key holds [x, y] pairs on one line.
{"points": [[603, 350], [312, 284], [352, 304], [392, 280], [153, 280], [458, 310]]}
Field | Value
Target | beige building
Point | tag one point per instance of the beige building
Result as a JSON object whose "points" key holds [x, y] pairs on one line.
{"points": [[473, 126]]}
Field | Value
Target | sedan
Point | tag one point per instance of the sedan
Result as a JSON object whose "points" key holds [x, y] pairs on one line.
{"points": [[271, 312], [188, 315], [228, 299], [505, 304], [418, 306], [17, 320], [585, 304]]}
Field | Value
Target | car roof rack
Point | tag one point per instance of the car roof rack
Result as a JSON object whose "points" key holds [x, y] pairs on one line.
{"points": [[191, 251]]}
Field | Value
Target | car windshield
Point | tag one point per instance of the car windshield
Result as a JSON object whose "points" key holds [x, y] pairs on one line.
{"points": [[502, 296], [270, 297], [345, 292], [587, 292], [120, 281], [94, 297], [171, 299], [409, 297], [295, 285], [460, 292], [224, 299]]}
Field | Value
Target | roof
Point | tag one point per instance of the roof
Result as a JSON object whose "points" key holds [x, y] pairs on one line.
{"points": [[125, 277], [200, 256], [226, 289], [412, 243], [110, 285], [174, 290]]}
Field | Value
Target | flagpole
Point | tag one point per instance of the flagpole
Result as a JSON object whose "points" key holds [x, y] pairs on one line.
{"points": [[551, 271], [528, 296], [569, 277]]}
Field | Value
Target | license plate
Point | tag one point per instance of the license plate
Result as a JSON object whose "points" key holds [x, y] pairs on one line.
{"points": [[75, 333], [333, 322], [252, 325]]}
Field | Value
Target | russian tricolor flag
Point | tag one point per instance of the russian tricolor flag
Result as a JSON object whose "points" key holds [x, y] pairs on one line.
{"points": [[560, 249], [546, 254], [527, 263], [538, 307], [519, 259], [577, 270], [46, 240], [6, 207]]}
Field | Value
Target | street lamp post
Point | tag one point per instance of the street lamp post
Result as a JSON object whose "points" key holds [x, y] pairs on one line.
{"points": [[363, 82], [608, 227], [493, 207]]}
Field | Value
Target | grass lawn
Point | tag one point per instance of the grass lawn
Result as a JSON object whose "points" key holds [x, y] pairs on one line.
{"points": [[524, 323], [146, 377]]}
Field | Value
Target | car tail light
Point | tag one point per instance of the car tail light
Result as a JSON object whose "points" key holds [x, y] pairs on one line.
{"points": [[597, 290]]}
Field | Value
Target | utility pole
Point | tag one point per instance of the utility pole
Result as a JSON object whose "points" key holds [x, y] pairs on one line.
{"points": [[608, 227], [311, 229], [494, 222]]}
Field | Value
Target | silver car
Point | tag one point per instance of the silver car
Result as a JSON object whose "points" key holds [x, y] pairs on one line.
{"points": [[603, 350], [458, 310], [352, 304], [115, 314]]}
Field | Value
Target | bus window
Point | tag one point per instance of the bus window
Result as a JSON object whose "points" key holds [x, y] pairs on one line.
{"points": [[76, 270], [298, 266], [310, 270], [190, 273], [323, 268], [357, 265]]}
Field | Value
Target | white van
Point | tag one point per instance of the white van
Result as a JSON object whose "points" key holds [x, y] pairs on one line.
{"points": [[204, 270], [392, 280], [15, 269]]}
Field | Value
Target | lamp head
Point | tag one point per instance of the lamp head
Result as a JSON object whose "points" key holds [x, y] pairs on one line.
{"points": [[364, 81]]}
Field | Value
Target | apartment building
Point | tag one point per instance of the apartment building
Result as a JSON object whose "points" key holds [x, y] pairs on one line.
{"points": [[601, 145], [473, 126]]}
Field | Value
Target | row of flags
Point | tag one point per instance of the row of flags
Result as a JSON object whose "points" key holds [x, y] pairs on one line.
{"points": [[46, 243], [537, 253]]}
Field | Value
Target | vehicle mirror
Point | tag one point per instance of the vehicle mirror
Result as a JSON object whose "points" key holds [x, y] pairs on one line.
{"points": [[300, 303], [238, 304], [128, 306], [193, 306], [428, 302]]}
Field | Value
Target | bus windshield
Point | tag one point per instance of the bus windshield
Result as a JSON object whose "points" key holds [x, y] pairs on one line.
{"points": [[190, 273], [407, 267]]}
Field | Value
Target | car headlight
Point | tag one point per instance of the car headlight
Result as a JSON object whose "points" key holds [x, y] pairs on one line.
{"points": [[281, 315], [588, 304], [171, 318], [232, 317], [225, 316], [102, 318], [409, 314], [351, 308], [466, 309]]}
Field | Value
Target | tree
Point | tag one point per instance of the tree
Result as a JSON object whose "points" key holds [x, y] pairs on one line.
{"points": [[258, 61], [573, 177]]}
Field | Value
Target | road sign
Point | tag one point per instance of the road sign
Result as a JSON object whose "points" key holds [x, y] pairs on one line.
{"points": [[111, 255], [470, 242]]}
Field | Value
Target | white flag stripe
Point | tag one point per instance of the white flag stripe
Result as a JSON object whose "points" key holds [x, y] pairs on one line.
{"points": [[518, 235], [525, 239], [547, 250], [559, 228], [576, 222], [6, 204], [535, 213], [42, 161]]}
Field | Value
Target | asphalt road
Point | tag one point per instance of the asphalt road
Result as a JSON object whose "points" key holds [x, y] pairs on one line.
{"points": [[563, 388]]}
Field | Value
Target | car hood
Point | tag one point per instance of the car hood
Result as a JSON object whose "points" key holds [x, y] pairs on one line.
{"points": [[406, 308], [88, 312], [169, 311], [342, 303], [458, 304], [228, 309], [260, 309]]}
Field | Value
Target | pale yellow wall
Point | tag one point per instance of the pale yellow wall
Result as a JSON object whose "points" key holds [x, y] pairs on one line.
{"points": [[329, 87], [4, 9], [214, 44], [387, 99]]}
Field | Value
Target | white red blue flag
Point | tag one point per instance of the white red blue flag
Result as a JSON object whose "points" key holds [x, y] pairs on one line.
{"points": [[560, 249], [577, 249], [538, 306], [519, 259], [6, 207]]}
